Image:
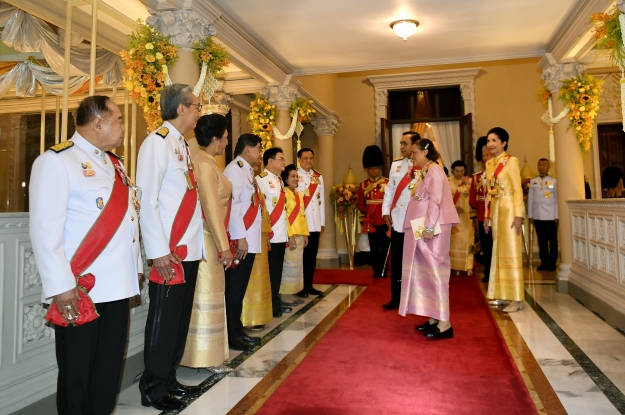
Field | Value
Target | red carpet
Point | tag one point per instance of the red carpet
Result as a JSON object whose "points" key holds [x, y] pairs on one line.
{"points": [[343, 276], [374, 362]]}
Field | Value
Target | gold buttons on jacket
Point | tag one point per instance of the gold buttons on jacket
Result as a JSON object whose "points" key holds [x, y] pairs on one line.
{"points": [[132, 218]]}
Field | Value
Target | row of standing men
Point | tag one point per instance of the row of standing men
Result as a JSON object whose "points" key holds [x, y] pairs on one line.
{"points": [[84, 215]]}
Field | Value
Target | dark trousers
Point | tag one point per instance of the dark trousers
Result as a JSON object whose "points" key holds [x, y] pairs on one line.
{"points": [[90, 359], [310, 259], [276, 264], [547, 233], [378, 243], [166, 331], [237, 279], [397, 252], [486, 240]]}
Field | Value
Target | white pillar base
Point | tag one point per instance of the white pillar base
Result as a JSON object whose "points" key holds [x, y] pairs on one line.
{"points": [[562, 279]]}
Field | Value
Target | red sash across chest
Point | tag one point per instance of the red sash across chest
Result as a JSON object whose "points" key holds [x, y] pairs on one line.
{"points": [[312, 188]]}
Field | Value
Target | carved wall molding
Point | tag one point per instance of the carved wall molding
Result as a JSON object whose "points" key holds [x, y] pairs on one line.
{"points": [[236, 124], [280, 96], [610, 108], [325, 126], [34, 327], [184, 26]]}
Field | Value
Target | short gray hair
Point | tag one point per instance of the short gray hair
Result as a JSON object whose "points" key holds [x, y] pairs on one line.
{"points": [[171, 97]]}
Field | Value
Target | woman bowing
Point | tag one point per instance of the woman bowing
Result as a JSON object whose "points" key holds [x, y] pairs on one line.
{"points": [[426, 265]]}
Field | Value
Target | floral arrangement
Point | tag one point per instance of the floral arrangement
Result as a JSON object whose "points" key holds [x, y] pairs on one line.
{"points": [[581, 95], [606, 28], [544, 94], [304, 108], [263, 117], [147, 58], [213, 54], [345, 199]]}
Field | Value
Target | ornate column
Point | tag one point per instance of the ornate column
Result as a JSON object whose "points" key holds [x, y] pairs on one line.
{"points": [[381, 111], [282, 97], [325, 128], [185, 28], [236, 126], [569, 166], [220, 104]]}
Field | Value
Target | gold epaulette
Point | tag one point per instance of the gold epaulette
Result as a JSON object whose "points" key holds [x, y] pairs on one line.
{"points": [[240, 163], [398, 158], [163, 131], [317, 172], [263, 174], [57, 148]]}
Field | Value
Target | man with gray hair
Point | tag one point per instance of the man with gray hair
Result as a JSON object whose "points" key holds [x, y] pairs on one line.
{"points": [[171, 222]]}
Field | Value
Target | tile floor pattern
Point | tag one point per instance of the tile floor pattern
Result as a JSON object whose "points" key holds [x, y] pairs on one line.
{"points": [[557, 382]]}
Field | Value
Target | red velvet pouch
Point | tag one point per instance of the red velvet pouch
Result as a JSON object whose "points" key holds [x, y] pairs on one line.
{"points": [[86, 307], [180, 253], [233, 251]]}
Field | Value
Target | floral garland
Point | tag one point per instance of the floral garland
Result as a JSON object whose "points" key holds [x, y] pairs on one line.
{"points": [[263, 117], [581, 95], [345, 199], [146, 60], [213, 58], [304, 108]]}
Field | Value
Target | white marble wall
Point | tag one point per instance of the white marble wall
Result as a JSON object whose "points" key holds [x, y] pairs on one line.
{"points": [[599, 249], [27, 360]]}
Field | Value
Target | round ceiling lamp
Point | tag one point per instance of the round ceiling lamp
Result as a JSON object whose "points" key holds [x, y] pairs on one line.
{"points": [[404, 28]]}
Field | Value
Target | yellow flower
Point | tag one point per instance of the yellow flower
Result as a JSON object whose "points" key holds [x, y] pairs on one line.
{"points": [[159, 55], [132, 52], [149, 58], [149, 46], [164, 69]]}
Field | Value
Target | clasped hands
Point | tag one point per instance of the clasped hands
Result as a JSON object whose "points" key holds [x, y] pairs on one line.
{"points": [[517, 223]]}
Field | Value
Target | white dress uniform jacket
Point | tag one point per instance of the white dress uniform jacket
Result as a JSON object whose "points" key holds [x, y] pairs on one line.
{"points": [[541, 200], [271, 186], [315, 212], [64, 204], [241, 174], [399, 168], [161, 168]]}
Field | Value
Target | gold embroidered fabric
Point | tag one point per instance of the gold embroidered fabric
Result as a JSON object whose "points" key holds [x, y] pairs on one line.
{"points": [[257, 302], [462, 235], [293, 271]]}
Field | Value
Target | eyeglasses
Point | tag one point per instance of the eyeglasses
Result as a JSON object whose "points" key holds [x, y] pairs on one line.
{"points": [[199, 107]]}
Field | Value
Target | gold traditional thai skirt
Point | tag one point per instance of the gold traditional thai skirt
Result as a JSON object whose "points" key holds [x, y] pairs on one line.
{"points": [[461, 246], [207, 343], [293, 271], [506, 269], [257, 302]]}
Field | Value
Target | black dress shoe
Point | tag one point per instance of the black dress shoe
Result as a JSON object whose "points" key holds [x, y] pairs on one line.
{"points": [[241, 344], [255, 328], [437, 334], [164, 403], [313, 291], [185, 390], [391, 305], [289, 303], [427, 326], [286, 309], [250, 339], [303, 293], [277, 313], [542, 268]]}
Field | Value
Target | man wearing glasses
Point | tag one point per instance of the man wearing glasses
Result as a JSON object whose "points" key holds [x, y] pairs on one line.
{"points": [[171, 222], [272, 188]]}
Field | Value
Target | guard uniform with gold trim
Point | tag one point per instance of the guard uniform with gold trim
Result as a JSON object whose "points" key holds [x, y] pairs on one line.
{"points": [[69, 186], [542, 206]]}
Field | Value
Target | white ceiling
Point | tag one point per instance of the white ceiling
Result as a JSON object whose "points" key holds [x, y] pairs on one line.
{"points": [[326, 36]]}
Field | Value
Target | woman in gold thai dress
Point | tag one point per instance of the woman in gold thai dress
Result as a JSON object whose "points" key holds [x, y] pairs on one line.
{"points": [[207, 344], [461, 246], [293, 271], [504, 215]]}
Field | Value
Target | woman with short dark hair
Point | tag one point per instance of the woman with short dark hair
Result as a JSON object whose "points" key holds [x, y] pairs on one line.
{"points": [[426, 265], [206, 345], [504, 213]]}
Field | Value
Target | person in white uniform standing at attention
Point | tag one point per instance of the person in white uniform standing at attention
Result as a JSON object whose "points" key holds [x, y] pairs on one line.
{"points": [[542, 211], [310, 184], [171, 224], [85, 235]]}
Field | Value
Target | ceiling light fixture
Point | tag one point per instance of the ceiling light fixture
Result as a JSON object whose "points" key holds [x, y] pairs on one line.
{"points": [[404, 28]]}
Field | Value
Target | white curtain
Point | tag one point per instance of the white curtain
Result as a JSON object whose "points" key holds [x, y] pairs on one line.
{"points": [[24, 75], [26, 33], [447, 138], [397, 131]]}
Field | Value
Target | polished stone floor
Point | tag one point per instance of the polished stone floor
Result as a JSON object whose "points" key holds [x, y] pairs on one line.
{"points": [[571, 360]]}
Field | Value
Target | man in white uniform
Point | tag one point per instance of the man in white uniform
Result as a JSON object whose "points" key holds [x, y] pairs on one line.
{"points": [[396, 198], [245, 229], [271, 186], [542, 211], [165, 175], [310, 184], [76, 196]]}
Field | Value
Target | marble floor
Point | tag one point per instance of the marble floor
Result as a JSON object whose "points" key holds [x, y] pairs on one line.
{"points": [[571, 360]]}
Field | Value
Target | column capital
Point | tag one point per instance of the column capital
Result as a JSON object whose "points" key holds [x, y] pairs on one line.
{"points": [[220, 103], [184, 26], [555, 73], [280, 96], [325, 126], [467, 90]]}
